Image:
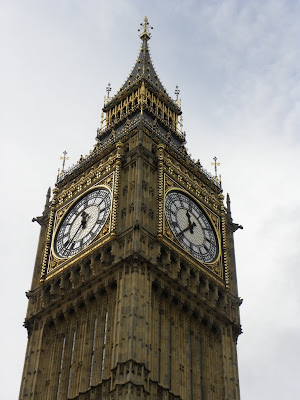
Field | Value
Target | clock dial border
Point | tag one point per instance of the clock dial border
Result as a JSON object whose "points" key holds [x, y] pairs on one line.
{"points": [[65, 211], [205, 212]]}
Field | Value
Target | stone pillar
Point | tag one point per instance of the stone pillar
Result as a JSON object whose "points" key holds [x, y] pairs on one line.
{"points": [[132, 332]]}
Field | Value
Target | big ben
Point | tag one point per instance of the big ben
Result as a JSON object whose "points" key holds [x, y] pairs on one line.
{"points": [[134, 291]]}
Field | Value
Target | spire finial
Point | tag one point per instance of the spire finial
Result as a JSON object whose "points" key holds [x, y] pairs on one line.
{"points": [[228, 204], [64, 158], [145, 35], [108, 89], [215, 163], [177, 91]]}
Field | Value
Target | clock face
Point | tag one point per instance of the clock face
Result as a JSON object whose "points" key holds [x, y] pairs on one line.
{"points": [[82, 222], [191, 226]]}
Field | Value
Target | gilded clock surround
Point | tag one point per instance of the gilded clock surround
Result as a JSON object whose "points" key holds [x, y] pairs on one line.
{"points": [[61, 214], [212, 218], [216, 267], [65, 202], [175, 175]]}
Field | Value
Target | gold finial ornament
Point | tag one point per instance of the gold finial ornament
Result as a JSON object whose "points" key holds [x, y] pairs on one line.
{"points": [[145, 35], [108, 89], [177, 91], [216, 164], [64, 158]]}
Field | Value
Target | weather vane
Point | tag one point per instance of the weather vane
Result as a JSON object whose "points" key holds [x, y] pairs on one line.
{"points": [[64, 158], [146, 32], [216, 164]]}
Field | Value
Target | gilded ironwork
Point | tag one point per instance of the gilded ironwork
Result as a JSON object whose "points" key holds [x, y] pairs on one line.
{"points": [[216, 268], [82, 222], [50, 259]]}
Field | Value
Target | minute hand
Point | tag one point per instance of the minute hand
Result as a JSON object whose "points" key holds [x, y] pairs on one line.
{"points": [[71, 240], [189, 217]]}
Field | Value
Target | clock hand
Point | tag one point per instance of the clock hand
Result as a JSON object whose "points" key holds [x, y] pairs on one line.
{"points": [[71, 240], [184, 230], [189, 217], [192, 226], [82, 225], [84, 218]]}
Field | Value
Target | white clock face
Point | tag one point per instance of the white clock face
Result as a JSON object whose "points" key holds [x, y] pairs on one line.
{"points": [[82, 222], [191, 226]]}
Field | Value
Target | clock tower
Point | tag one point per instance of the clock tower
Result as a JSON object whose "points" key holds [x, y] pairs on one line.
{"points": [[134, 291]]}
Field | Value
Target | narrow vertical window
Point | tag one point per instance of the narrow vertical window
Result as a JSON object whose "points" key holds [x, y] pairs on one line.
{"points": [[93, 351], [159, 346], [170, 354], [60, 366], [104, 344], [201, 369], [191, 364]]}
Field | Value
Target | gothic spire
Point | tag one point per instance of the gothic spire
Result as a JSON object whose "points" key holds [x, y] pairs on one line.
{"points": [[143, 70]]}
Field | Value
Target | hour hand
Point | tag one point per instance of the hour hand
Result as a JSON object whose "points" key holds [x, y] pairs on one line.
{"points": [[184, 230], [84, 218], [192, 226]]}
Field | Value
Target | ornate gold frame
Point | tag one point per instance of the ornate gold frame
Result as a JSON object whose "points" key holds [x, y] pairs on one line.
{"points": [[207, 213], [63, 211], [53, 264], [218, 269]]}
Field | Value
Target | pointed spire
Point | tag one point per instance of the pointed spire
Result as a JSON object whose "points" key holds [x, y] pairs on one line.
{"points": [[43, 217], [48, 195], [142, 70], [144, 66], [228, 203]]}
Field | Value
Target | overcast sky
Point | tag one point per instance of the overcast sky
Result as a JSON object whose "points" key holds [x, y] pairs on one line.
{"points": [[236, 63]]}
